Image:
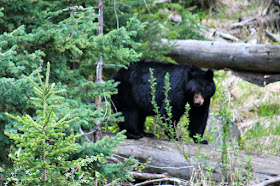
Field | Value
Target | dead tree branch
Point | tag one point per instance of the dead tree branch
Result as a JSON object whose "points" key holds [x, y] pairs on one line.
{"points": [[173, 181], [269, 182]]}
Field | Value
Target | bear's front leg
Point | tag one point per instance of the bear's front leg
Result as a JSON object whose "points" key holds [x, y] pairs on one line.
{"points": [[198, 118]]}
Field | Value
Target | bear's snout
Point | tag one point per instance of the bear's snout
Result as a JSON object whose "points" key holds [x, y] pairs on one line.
{"points": [[198, 100]]}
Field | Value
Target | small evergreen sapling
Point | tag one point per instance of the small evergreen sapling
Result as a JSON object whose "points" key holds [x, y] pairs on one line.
{"points": [[44, 148]]}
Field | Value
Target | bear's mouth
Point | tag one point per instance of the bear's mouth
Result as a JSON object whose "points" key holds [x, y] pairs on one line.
{"points": [[198, 100]]}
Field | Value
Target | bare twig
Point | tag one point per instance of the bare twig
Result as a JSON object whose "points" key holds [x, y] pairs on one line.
{"points": [[120, 11], [18, 152], [242, 23], [162, 1], [78, 8], [256, 21], [147, 7], [115, 10], [227, 36], [85, 134], [115, 160], [107, 105], [272, 36], [265, 12], [124, 4], [148, 176], [111, 65]]}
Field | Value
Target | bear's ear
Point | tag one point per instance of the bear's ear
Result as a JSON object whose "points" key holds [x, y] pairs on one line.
{"points": [[209, 74], [192, 73]]}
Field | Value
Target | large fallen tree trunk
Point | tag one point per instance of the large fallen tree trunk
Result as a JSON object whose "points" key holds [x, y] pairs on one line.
{"points": [[166, 158], [219, 55]]}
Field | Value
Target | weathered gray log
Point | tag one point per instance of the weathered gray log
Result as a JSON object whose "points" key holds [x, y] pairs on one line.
{"points": [[166, 158], [219, 55]]}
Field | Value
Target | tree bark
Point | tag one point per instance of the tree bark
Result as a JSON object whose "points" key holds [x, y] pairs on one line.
{"points": [[99, 69], [219, 55], [166, 158]]}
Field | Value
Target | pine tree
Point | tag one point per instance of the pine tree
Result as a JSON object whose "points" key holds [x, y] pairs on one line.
{"points": [[68, 40], [44, 147], [64, 33], [45, 150]]}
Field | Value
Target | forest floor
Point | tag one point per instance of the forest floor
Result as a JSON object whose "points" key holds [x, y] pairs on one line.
{"points": [[255, 109]]}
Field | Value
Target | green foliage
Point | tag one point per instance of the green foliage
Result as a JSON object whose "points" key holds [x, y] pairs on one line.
{"points": [[224, 115], [43, 146], [159, 24], [236, 170], [47, 155], [153, 83], [67, 38], [64, 32], [105, 147], [163, 123]]}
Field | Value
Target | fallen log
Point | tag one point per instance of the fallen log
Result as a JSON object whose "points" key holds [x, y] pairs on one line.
{"points": [[219, 55], [167, 158]]}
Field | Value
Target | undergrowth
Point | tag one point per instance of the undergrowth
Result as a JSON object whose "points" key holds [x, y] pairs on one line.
{"points": [[235, 170], [257, 113]]}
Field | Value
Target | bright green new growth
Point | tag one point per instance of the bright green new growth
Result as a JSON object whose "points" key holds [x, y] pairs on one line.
{"points": [[43, 147], [165, 122], [168, 107], [225, 117], [153, 83]]}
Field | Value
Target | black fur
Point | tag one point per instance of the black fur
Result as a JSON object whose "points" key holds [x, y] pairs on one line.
{"points": [[134, 95]]}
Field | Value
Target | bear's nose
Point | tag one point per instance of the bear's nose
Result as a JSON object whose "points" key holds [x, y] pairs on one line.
{"points": [[198, 100]]}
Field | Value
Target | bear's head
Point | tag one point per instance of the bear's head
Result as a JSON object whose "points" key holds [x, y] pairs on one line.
{"points": [[200, 86]]}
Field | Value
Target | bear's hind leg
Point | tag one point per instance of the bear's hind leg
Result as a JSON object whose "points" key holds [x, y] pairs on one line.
{"points": [[130, 124], [141, 126]]}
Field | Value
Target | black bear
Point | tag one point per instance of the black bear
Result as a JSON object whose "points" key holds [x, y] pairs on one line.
{"points": [[188, 84]]}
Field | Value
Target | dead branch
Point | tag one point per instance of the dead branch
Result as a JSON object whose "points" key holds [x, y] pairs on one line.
{"points": [[99, 71], [148, 176], [272, 36], [226, 36], [269, 182], [266, 10], [173, 181], [256, 21], [162, 1]]}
